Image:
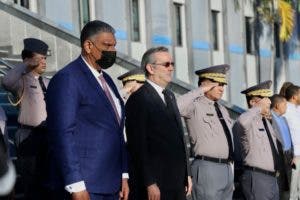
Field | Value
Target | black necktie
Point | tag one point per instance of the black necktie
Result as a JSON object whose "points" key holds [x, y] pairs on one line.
{"points": [[42, 84], [226, 130], [169, 100], [272, 145]]}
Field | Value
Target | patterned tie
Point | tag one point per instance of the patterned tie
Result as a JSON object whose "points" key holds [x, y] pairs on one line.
{"points": [[168, 100], [226, 130], [108, 95]]}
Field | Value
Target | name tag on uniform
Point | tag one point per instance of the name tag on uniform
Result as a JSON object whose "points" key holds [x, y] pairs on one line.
{"points": [[209, 114], [33, 86], [261, 129]]}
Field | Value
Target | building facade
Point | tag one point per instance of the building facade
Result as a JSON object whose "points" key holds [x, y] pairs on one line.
{"points": [[199, 33]]}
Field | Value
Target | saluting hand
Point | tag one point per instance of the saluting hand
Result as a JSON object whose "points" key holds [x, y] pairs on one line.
{"points": [[153, 192], [264, 104], [31, 63], [207, 86], [83, 195]]}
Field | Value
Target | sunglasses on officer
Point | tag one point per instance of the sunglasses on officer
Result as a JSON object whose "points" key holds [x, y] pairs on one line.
{"points": [[165, 64]]}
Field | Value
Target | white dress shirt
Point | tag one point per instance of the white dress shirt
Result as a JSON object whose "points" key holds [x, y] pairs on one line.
{"points": [[80, 186], [292, 116], [158, 89]]}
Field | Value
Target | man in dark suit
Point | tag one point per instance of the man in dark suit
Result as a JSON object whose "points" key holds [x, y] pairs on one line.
{"points": [[86, 120], [158, 168]]}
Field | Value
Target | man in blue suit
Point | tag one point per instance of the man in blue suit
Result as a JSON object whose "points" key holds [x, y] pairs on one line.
{"points": [[86, 120]]}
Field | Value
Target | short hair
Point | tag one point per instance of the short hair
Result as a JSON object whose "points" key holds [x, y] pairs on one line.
{"points": [[26, 54], [148, 57], [93, 28], [275, 99], [291, 91], [283, 88]]}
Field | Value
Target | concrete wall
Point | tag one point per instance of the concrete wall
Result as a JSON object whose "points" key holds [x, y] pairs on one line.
{"points": [[157, 29], [15, 29], [201, 46]]}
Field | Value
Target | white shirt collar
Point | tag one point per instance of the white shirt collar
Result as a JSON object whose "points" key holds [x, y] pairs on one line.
{"points": [[157, 88], [95, 72]]}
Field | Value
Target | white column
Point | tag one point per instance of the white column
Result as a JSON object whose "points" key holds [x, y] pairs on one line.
{"points": [[33, 6], [92, 10]]}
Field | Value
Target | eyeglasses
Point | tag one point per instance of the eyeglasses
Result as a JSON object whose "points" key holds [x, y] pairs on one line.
{"points": [[165, 64]]}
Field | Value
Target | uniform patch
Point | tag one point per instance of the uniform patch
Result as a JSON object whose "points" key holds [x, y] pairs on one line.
{"points": [[33, 86], [210, 114], [261, 129]]}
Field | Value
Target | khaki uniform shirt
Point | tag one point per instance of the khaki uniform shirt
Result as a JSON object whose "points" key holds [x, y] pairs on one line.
{"points": [[255, 147], [206, 132], [32, 106]]}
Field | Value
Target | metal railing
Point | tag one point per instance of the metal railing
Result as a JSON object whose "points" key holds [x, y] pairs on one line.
{"points": [[7, 66]]}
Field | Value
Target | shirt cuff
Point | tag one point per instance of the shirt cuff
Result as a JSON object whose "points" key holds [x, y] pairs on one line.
{"points": [[76, 187], [125, 175]]}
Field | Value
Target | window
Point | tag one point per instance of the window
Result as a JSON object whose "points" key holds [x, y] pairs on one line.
{"points": [[178, 24], [249, 35], [214, 28], [23, 3], [84, 9], [135, 21], [277, 40]]}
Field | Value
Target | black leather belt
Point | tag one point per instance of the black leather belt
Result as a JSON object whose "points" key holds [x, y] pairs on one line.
{"points": [[256, 169], [216, 160]]}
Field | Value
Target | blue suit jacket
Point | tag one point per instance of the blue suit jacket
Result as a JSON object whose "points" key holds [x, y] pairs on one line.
{"points": [[86, 141]]}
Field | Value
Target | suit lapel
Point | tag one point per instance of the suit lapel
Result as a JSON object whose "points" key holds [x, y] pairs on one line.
{"points": [[95, 84], [116, 93], [90, 77], [150, 91], [162, 106]]}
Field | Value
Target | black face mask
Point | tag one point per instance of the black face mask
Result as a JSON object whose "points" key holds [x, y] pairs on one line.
{"points": [[107, 59]]}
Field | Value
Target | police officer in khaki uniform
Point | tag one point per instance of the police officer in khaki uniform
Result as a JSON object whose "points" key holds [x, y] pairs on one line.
{"points": [[258, 145], [210, 134], [131, 81], [26, 82]]}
